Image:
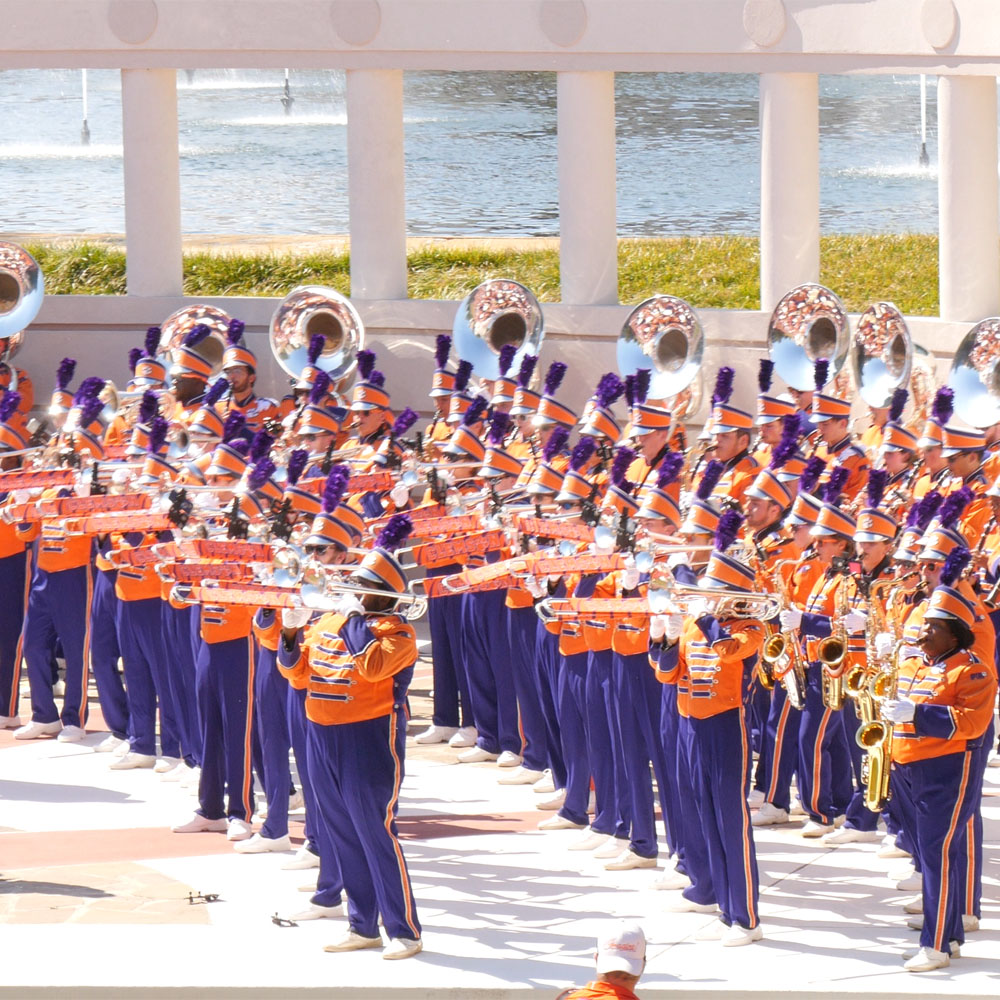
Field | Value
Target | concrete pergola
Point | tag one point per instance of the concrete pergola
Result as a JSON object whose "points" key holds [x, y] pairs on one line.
{"points": [[788, 43]]}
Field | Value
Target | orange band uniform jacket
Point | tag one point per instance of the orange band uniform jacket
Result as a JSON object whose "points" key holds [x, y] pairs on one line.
{"points": [[349, 666]]}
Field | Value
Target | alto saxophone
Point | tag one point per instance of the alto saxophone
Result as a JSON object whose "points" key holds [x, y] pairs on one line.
{"points": [[832, 651], [875, 736], [782, 653]]}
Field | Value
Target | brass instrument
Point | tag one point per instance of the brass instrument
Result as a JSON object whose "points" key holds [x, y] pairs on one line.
{"points": [[832, 651], [881, 353], [810, 322], [665, 335], [975, 375], [180, 323], [782, 652], [497, 312], [22, 289], [859, 676], [312, 309], [662, 594], [875, 736]]}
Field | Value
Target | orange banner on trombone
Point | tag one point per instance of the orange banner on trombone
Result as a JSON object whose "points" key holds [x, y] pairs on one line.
{"points": [[544, 528], [454, 549]]}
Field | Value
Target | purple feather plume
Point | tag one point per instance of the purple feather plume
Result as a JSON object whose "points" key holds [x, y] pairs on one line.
{"points": [[765, 374], [582, 453], [727, 529], [499, 425], [234, 332], [196, 335], [259, 474], [404, 422], [90, 410], [624, 457], [723, 391], [642, 380], [953, 506], [630, 390], [442, 348], [554, 377], [811, 473], [232, 427], [462, 375], [133, 358], [336, 483], [215, 392], [240, 445], [376, 379], [475, 411], [899, 398], [315, 348], [556, 442], [88, 389], [789, 443], [927, 509], [64, 373], [320, 389], [8, 405], [157, 437], [821, 373], [608, 390], [506, 358], [527, 370], [670, 469], [366, 362], [710, 479], [954, 563], [152, 340], [836, 483], [397, 529], [297, 462], [877, 479], [943, 405], [148, 408], [260, 446]]}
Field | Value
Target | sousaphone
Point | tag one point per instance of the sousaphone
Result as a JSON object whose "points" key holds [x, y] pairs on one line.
{"points": [[881, 353], [497, 312], [22, 289], [178, 325], [975, 376], [665, 335], [809, 323]]}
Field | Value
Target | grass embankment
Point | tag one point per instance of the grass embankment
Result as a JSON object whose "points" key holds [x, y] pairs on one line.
{"points": [[709, 272]]}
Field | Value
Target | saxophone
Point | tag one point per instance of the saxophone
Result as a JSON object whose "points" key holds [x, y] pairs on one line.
{"points": [[875, 736], [858, 677], [782, 653], [832, 651]]}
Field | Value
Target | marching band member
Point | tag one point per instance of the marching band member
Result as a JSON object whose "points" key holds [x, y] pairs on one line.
{"points": [[356, 664], [831, 416], [934, 467], [711, 660], [770, 413], [239, 366]]}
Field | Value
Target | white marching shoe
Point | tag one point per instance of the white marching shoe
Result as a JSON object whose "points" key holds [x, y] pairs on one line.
{"points": [[926, 960], [402, 948], [465, 737], [166, 764], [508, 759], [303, 858], [130, 760], [734, 936], [352, 941], [671, 879], [519, 776], [32, 730], [109, 744], [545, 785], [200, 824], [769, 815], [556, 801], [589, 841], [848, 835], [435, 734], [10, 722], [812, 829], [954, 950], [476, 755], [315, 912], [888, 849], [558, 822], [238, 829], [628, 860], [71, 734], [262, 845]]}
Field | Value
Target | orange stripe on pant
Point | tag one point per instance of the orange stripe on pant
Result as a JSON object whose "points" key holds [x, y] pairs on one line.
{"points": [[939, 920], [748, 862], [390, 808], [246, 792]]}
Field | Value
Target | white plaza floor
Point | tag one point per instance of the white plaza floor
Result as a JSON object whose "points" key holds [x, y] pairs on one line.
{"points": [[507, 911]]}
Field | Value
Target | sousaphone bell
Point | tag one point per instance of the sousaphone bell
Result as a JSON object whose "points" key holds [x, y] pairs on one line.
{"points": [[312, 309], [497, 312], [810, 322], [178, 325], [881, 353], [665, 335], [975, 376], [22, 289]]}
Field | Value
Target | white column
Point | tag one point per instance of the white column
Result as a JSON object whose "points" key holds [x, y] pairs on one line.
{"points": [[151, 163], [789, 183], [376, 183], [969, 250], [588, 229]]}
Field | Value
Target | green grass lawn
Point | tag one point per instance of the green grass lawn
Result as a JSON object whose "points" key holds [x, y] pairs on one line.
{"points": [[709, 272]]}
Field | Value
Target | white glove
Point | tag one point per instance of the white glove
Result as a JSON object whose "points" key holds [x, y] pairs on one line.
{"points": [[791, 619], [901, 710], [630, 574], [657, 627], [22, 496], [120, 476], [400, 494], [700, 607], [82, 489], [536, 588], [605, 542], [349, 605], [884, 644], [294, 617], [854, 622], [675, 623], [678, 559]]}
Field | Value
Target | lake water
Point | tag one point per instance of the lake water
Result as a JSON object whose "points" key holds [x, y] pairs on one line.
{"points": [[480, 154]]}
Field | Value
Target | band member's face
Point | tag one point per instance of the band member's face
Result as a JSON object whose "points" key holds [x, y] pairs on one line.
{"points": [[800, 535], [317, 444], [544, 433], [761, 513], [895, 461], [827, 548], [933, 459], [770, 433], [930, 571], [936, 638], [728, 444], [651, 444], [240, 379], [872, 553], [186, 388], [803, 398], [995, 508], [441, 405], [369, 421], [964, 463], [880, 414], [832, 431]]}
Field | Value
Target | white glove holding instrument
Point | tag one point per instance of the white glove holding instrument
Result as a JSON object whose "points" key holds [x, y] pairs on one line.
{"points": [[677, 559], [630, 574], [536, 588], [349, 604], [400, 494], [657, 627], [899, 710], [791, 619], [295, 617], [884, 644], [854, 622], [675, 624]]}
